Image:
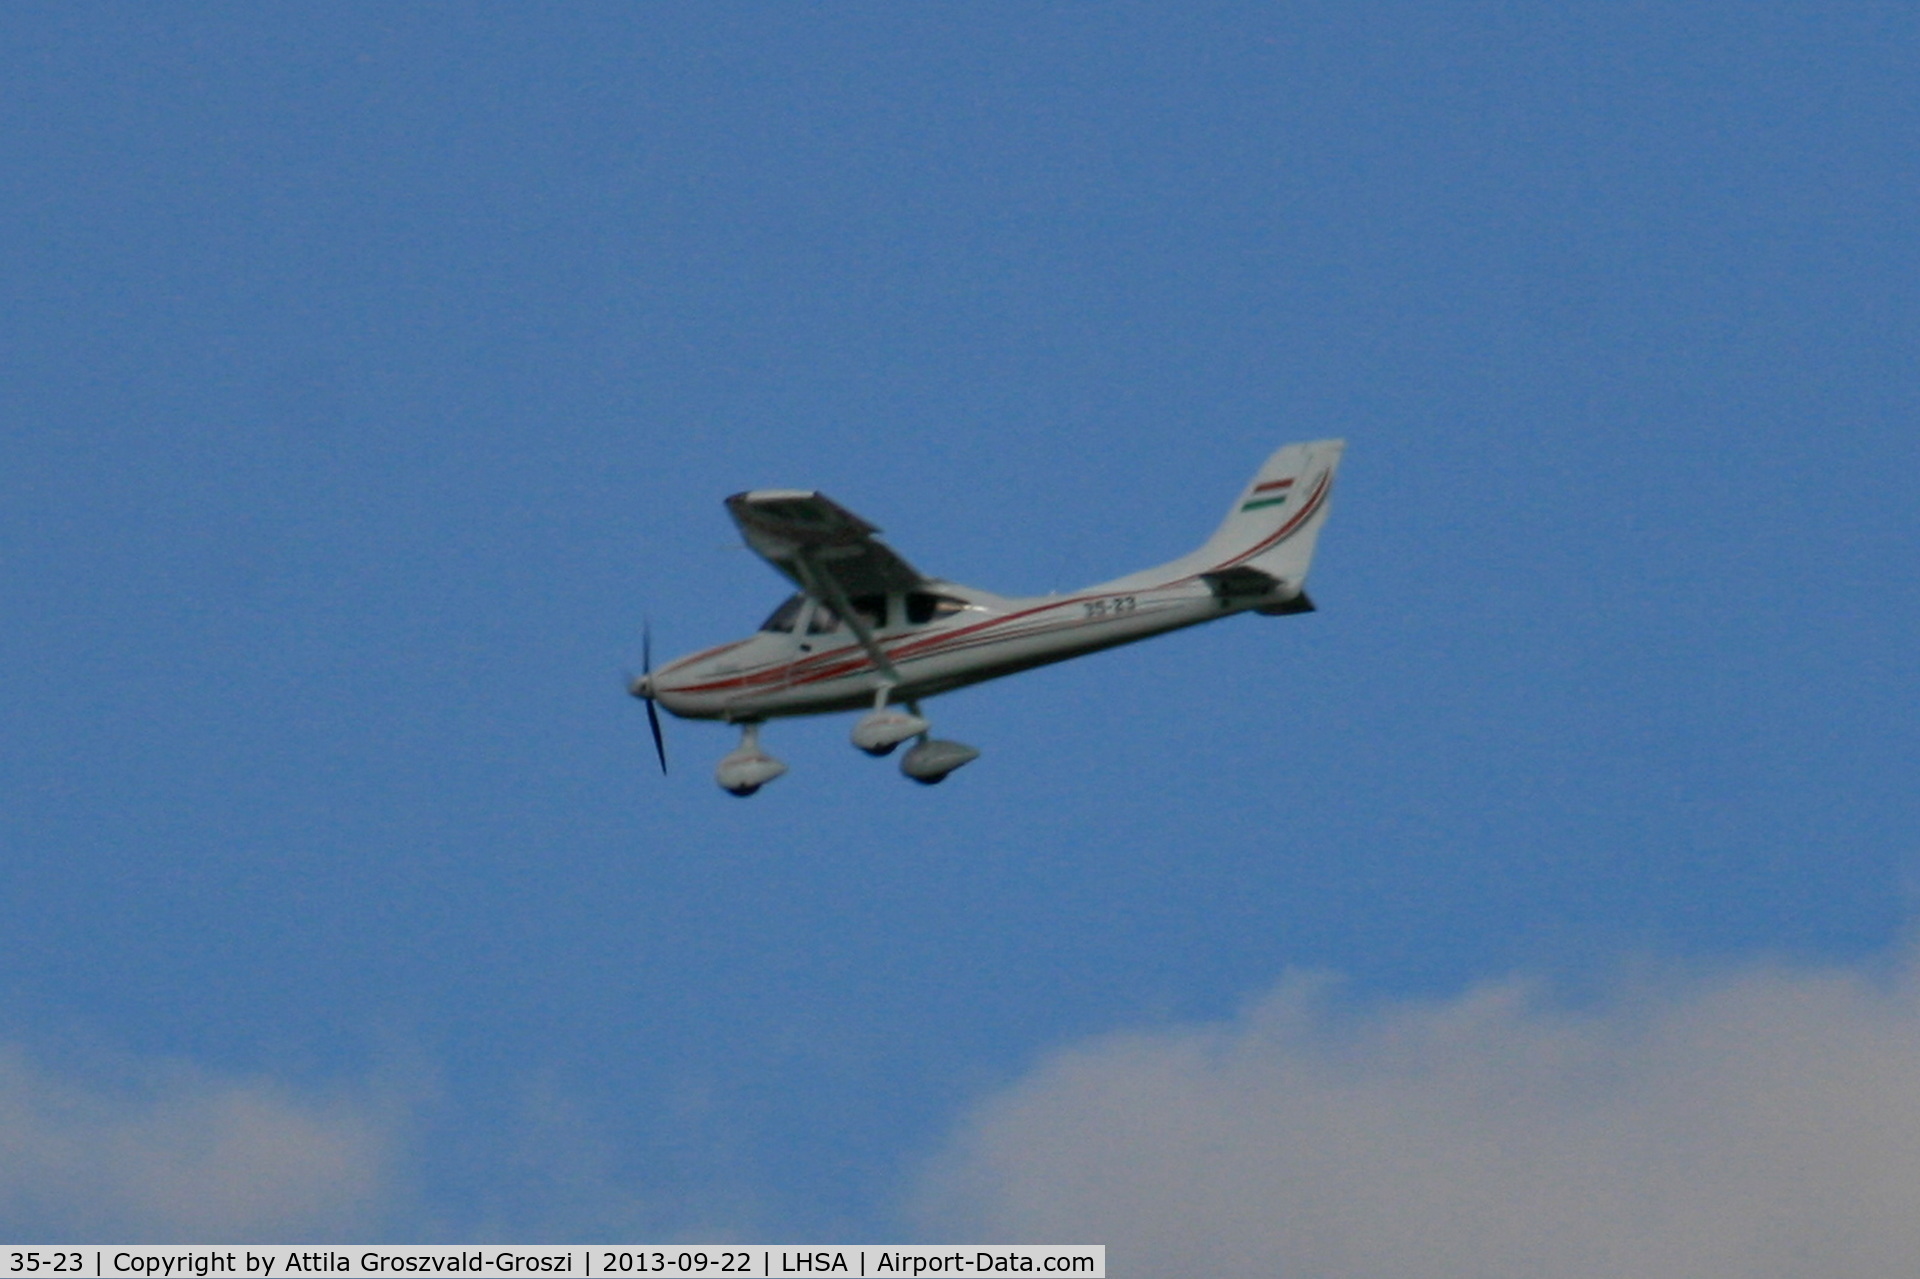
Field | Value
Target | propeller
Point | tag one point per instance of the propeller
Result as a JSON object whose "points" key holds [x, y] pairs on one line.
{"points": [[642, 688]]}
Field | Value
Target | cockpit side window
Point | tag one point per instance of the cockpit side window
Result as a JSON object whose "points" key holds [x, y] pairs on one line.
{"points": [[923, 607], [783, 618], [871, 609]]}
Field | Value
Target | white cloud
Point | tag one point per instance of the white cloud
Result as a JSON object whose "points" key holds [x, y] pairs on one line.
{"points": [[183, 1156], [1759, 1125]]}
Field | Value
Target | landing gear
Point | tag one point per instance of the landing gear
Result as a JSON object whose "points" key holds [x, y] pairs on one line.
{"points": [[931, 760], [883, 728], [747, 768]]}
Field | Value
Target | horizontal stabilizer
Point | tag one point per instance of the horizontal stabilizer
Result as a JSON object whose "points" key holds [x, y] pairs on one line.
{"points": [[1240, 582], [1298, 604]]}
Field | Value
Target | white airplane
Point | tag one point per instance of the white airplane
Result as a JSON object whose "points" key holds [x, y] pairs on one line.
{"points": [[868, 630]]}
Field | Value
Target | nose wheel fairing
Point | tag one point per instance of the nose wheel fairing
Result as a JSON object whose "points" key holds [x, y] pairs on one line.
{"points": [[747, 768]]}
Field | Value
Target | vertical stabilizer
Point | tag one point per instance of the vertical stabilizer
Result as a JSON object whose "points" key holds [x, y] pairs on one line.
{"points": [[1274, 523], [1265, 545]]}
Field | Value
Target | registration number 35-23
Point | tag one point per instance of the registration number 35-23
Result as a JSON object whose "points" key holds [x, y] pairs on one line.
{"points": [[1113, 606]]}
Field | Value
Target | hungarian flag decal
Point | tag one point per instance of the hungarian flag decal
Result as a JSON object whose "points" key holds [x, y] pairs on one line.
{"points": [[1272, 493]]}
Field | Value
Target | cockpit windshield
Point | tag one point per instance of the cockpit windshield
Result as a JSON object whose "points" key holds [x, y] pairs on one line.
{"points": [[784, 617]]}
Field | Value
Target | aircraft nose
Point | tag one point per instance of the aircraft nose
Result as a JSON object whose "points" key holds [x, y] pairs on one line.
{"points": [[642, 686]]}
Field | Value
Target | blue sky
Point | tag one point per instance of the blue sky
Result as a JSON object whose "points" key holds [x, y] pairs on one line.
{"points": [[367, 375]]}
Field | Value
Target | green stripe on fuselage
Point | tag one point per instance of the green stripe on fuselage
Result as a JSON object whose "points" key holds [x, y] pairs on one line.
{"points": [[1270, 501]]}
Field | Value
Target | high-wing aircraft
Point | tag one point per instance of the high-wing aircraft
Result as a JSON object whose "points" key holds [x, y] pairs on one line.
{"points": [[866, 629]]}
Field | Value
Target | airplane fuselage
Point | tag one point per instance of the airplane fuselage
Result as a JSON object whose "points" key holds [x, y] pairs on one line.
{"points": [[980, 636]]}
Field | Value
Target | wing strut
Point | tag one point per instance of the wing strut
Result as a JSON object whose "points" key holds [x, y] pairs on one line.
{"points": [[826, 589]]}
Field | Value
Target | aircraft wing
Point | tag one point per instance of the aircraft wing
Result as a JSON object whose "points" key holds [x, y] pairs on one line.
{"points": [[820, 544]]}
